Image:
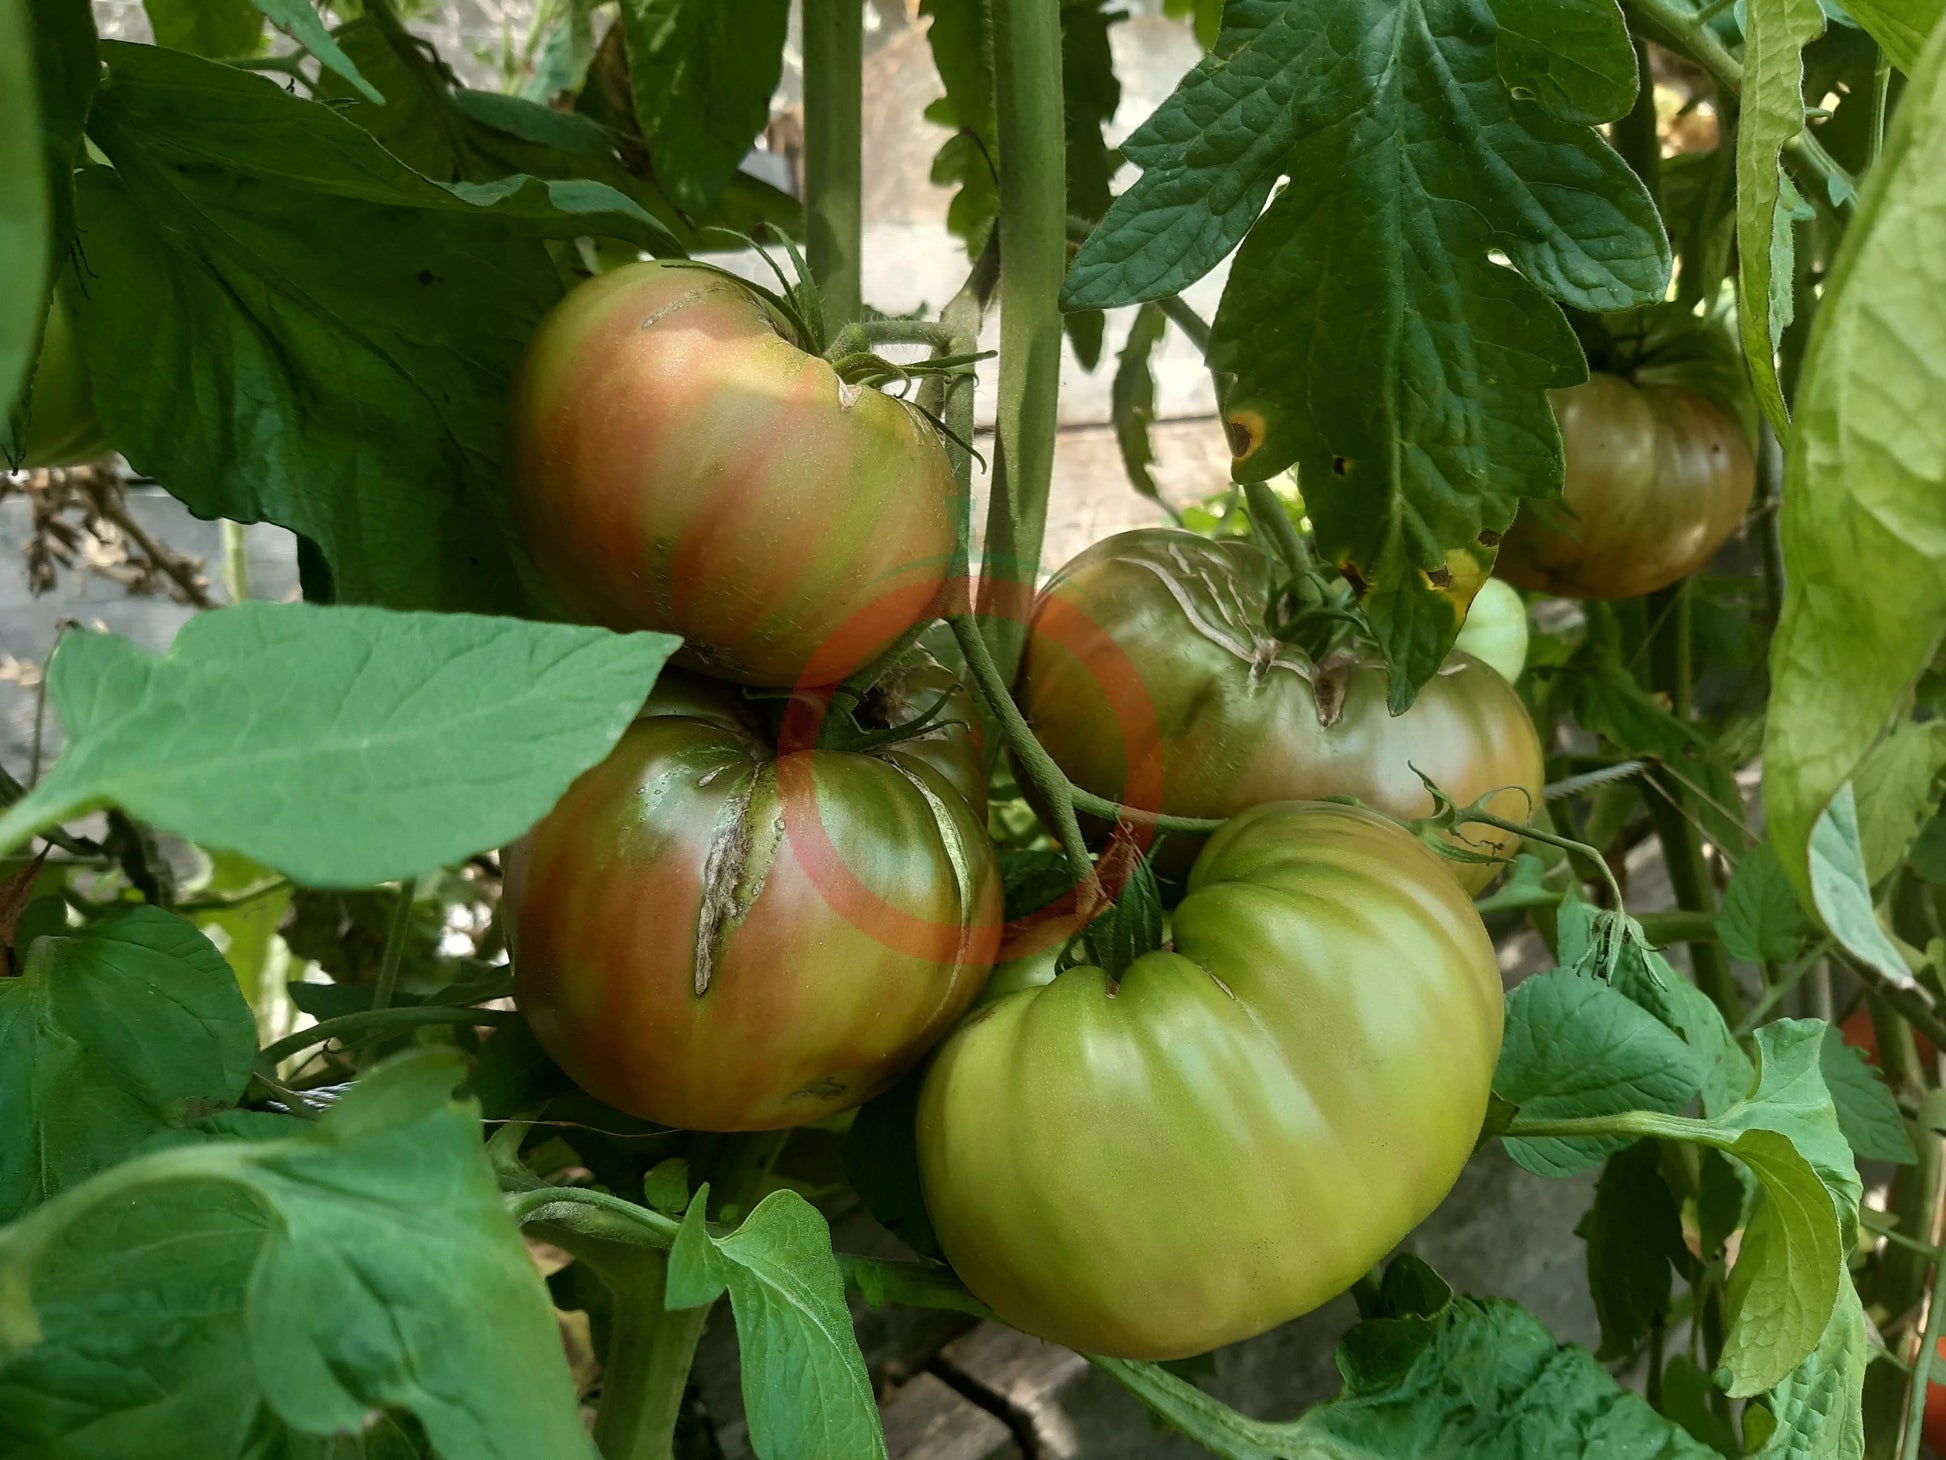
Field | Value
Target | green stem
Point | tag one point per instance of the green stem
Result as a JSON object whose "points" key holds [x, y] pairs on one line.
{"points": [[1107, 810], [645, 1366], [330, 1029], [1638, 135], [1274, 527], [1033, 258], [833, 95], [1187, 320], [1672, 808], [1477, 815], [1779, 986], [1636, 1123], [1662, 928], [1685, 30], [1881, 91], [651, 1348], [395, 935], [236, 562], [1035, 765], [1915, 1417], [935, 332], [1884, 1226]]}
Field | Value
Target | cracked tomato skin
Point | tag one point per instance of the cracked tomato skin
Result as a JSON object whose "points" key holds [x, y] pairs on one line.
{"points": [[1658, 477], [1150, 679], [712, 936], [1249, 1123], [679, 464]]}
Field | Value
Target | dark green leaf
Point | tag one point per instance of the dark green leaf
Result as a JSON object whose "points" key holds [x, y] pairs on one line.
{"points": [[804, 1384], [1409, 441], [1900, 26], [1760, 920], [1132, 398], [882, 1165], [343, 746], [962, 51], [1478, 1380], [1686, 1395], [283, 321], [1867, 1113], [216, 28], [1634, 1234], [128, 1027], [298, 20], [1864, 519], [1575, 1047], [1770, 116], [1090, 94], [703, 74], [66, 73], [324, 1295], [1573, 56]]}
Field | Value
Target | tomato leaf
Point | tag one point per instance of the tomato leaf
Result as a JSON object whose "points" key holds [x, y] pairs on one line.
{"points": [[881, 1159], [342, 746], [1461, 1383], [1784, 1286], [1775, 34], [298, 20], [1897, 791], [1131, 399], [1410, 441], [1760, 920], [1575, 1047], [702, 77], [1864, 513], [1843, 893], [1634, 1234], [1819, 1405], [283, 321], [321, 1266], [804, 1384], [214, 28], [962, 52], [1573, 56], [1899, 26], [128, 1027], [1867, 1113]]}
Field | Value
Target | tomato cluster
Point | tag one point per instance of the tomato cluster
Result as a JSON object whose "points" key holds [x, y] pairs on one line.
{"points": [[761, 908]]}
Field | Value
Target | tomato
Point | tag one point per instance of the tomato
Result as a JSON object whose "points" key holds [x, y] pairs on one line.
{"points": [[1495, 631], [1254, 1118], [716, 936], [678, 463], [1658, 477], [61, 425], [1151, 680], [1861, 1034]]}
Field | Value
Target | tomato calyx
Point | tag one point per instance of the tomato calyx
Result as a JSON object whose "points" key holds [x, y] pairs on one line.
{"points": [[1130, 927]]}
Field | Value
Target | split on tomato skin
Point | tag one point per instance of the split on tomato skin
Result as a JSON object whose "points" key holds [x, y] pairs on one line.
{"points": [[718, 934], [680, 463]]}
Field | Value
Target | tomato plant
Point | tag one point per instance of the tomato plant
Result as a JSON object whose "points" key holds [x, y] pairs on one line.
{"points": [[1152, 677], [1161, 1234], [422, 1004], [845, 908]]}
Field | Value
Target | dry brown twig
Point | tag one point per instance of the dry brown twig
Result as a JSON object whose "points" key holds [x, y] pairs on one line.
{"points": [[80, 521]]}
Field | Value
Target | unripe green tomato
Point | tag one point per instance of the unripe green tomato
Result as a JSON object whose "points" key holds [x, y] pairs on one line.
{"points": [[679, 463], [61, 425], [1495, 631], [1658, 477], [714, 936], [1244, 1127], [1151, 679]]}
